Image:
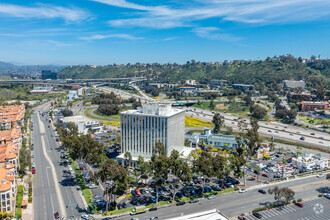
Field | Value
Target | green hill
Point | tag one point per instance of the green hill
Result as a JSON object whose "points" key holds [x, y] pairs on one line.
{"points": [[266, 73]]}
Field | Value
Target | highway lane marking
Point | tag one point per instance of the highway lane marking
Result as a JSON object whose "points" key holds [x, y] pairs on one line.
{"points": [[56, 183]]}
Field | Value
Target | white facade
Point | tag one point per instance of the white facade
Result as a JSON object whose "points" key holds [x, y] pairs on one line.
{"points": [[310, 161], [72, 95], [83, 123], [151, 123]]}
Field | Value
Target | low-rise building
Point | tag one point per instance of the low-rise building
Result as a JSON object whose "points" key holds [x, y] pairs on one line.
{"points": [[217, 140], [312, 106], [191, 82], [242, 86], [72, 95], [71, 87], [217, 82], [8, 189], [40, 89], [309, 161], [187, 90], [292, 84], [83, 123]]}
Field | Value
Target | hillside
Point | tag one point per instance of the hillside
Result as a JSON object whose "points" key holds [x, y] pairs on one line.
{"points": [[11, 69], [267, 73]]}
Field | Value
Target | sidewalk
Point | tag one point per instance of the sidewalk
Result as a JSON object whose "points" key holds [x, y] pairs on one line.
{"points": [[27, 214]]}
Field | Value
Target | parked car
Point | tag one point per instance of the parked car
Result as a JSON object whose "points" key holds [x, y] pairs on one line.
{"points": [[299, 204], [124, 205], [33, 171], [119, 206], [92, 186], [211, 197], [152, 209], [265, 175], [242, 191], [138, 192], [84, 216], [193, 200], [302, 138], [133, 193], [321, 175], [262, 191], [181, 203], [257, 214]]}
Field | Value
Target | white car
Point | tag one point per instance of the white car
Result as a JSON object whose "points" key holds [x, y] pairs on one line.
{"points": [[84, 216], [326, 195], [92, 186], [320, 175], [242, 191], [211, 197]]}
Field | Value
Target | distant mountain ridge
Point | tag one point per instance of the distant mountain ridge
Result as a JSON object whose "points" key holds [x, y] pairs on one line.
{"points": [[11, 69]]}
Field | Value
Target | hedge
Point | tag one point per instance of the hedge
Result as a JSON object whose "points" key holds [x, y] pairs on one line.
{"points": [[19, 213]]}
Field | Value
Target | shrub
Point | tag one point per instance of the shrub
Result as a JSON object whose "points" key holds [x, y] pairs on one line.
{"points": [[19, 213], [320, 195], [259, 209], [30, 200], [299, 200], [294, 201]]}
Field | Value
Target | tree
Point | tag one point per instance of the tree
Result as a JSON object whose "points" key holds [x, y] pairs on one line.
{"points": [[283, 195], [115, 176], [218, 121], [108, 109], [202, 165], [159, 149], [67, 113], [320, 92], [248, 101], [144, 168], [187, 142], [128, 158], [212, 106], [258, 112]]}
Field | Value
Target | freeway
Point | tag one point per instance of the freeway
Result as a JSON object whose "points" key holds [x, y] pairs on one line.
{"points": [[51, 191], [234, 203], [278, 130]]}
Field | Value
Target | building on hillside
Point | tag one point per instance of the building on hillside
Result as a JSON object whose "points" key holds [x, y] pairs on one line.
{"points": [[191, 82], [292, 84], [48, 74], [312, 106], [217, 82], [11, 115], [85, 91], [304, 96], [151, 123], [217, 140], [40, 89], [307, 162], [187, 90], [83, 123], [242, 86]]}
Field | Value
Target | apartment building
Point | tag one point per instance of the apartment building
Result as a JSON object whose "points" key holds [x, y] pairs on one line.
{"points": [[11, 115]]}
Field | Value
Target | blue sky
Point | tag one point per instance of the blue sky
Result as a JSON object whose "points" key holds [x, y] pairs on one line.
{"points": [[129, 31]]}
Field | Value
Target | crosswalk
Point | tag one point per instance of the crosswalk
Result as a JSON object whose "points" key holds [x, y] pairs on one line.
{"points": [[316, 209]]}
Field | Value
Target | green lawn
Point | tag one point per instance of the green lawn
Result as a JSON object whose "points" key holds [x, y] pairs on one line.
{"points": [[236, 108], [314, 121]]}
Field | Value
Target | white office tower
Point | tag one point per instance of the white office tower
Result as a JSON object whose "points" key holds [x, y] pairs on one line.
{"points": [[149, 124]]}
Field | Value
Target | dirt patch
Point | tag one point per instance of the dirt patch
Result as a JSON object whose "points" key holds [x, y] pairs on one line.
{"points": [[222, 106]]}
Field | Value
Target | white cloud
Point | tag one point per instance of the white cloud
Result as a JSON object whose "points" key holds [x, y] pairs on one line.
{"points": [[43, 11], [212, 33], [244, 11], [100, 37], [60, 44]]}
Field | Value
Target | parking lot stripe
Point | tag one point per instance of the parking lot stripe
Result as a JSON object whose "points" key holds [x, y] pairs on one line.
{"points": [[265, 214], [272, 213], [250, 217]]}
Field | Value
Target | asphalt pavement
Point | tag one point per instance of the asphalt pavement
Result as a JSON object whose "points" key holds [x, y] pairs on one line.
{"points": [[51, 191]]}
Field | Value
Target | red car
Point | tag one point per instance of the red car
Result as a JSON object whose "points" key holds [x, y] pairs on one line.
{"points": [[265, 175], [299, 204], [33, 171], [138, 192]]}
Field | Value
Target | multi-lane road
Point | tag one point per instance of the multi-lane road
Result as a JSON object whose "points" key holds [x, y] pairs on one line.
{"points": [[51, 190]]}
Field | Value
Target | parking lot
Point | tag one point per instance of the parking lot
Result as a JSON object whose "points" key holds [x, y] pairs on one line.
{"points": [[316, 209]]}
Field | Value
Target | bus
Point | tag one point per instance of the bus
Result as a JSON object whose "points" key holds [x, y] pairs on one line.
{"points": [[138, 210]]}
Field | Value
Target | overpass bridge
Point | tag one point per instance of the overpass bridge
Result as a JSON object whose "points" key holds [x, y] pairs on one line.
{"points": [[60, 82]]}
